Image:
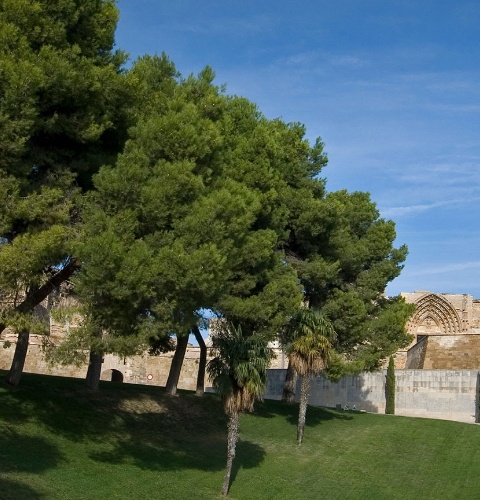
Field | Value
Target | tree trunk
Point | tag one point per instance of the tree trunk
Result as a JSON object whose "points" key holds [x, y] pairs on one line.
{"points": [[231, 446], [37, 295], [202, 363], [92, 379], [290, 382], [176, 366], [305, 386], [18, 362]]}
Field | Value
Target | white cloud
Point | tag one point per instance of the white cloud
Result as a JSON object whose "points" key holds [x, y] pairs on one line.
{"points": [[395, 212], [446, 268], [348, 61], [247, 26]]}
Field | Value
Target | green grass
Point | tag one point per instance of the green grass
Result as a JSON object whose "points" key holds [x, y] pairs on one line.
{"points": [[60, 441]]}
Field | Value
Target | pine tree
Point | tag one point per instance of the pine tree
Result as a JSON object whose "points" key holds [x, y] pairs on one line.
{"points": [[64, 111]]}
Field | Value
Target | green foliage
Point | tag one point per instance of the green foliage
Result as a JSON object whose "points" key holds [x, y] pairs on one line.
{"points": [[390, 388], [344, 255], [187, 218], [64, 111], [308, 341], [62, 89], [208, 204], [238, 369]]}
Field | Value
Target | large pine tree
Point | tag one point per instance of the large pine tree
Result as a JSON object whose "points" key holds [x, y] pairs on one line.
{"points": [[63, 113]]}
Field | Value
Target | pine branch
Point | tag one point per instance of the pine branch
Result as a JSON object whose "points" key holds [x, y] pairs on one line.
{"points": [[37, 295]]}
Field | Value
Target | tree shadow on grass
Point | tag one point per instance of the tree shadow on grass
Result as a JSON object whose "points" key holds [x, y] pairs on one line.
{"points": [[20, 453], [129, 424], [23, 453], [164, 453], [289, 411], [248, 456], [15, 490], [158, 456], [66, 407]]}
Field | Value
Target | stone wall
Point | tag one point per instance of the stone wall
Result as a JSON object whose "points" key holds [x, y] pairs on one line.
{"points": [[450, 352], [145, 369], [416, 355], [441, 394]]}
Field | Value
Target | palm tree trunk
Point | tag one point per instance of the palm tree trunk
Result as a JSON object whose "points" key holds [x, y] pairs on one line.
{"points": [[18, 362], [305, 386], [290, 382], [176, 366], [92, 380], [202, 363], [231, 446]]}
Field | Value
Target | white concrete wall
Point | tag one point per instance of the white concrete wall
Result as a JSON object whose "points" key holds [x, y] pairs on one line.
{"points": [[442, 394]]}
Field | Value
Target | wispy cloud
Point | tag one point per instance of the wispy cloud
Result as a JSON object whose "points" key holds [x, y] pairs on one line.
{"points": [[396, 212], [231, 27], [454, 108], [349, 61], [446, 268]]}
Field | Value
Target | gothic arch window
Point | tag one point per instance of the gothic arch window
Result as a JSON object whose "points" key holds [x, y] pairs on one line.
{"points": [[434, 315]]}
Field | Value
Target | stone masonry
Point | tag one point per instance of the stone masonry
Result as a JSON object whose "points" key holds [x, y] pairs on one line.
{"points": [[437, 375], [446, 332]]}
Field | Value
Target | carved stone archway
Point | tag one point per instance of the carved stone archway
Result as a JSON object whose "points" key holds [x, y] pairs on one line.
{"points": [[434, 315]]}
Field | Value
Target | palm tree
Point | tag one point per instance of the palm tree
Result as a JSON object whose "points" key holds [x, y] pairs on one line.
{"points": [[309, 338], [239, 374]]}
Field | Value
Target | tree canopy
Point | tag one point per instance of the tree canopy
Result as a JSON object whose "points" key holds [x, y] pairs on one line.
{"points": [[174, 227], [344, 254], [173, 197], [63, 113]]}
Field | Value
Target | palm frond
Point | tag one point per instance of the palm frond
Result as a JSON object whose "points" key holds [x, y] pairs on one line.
{"points": [[239, 368], [308, 341]]}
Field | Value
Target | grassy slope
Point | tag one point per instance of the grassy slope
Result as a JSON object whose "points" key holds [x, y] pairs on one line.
{"points": [[59, 441]]}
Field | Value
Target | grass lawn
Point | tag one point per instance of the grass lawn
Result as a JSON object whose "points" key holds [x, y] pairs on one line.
{"points": [[60, 441]]}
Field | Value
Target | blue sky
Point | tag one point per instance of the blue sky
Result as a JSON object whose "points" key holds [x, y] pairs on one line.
{"points": [[391, 87]]}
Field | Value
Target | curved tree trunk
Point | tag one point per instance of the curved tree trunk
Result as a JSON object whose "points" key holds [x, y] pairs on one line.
{"points": [[202, 363], [231, 446], [92, 379], [305, 386], [18, 362], [290, 382], [37, 295], [176, 366]]}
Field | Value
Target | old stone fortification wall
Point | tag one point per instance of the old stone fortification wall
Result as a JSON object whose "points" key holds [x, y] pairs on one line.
{"points": [[144, 369], [442, 394], [135, 369]]}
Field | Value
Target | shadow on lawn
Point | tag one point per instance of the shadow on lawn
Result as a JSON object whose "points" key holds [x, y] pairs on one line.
{"points": [[203, 456], [289, 411], [128, 423], [66, 407], [248, 456], [23, 453], [14, 490]]}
